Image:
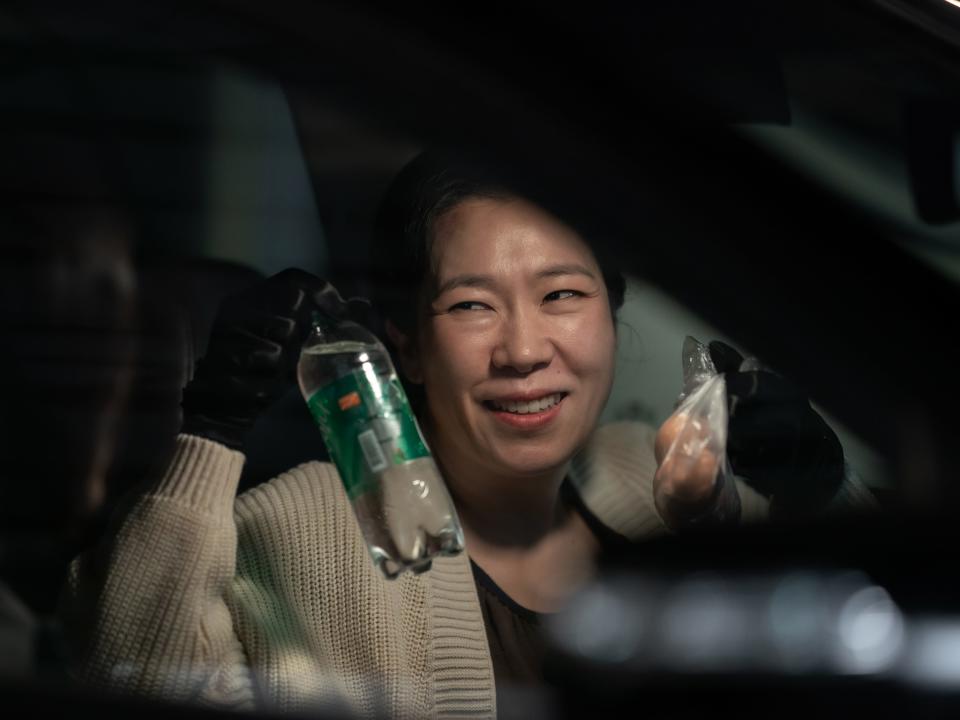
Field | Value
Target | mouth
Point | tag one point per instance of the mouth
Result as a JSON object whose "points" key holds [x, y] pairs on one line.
{"points": [[526, 407]]}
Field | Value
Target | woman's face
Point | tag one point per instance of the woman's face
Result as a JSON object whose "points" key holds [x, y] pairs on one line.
{"points": [[516, 349]]}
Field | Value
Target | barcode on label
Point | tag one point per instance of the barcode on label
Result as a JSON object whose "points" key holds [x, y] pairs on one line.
{"points": [[371, 451]]}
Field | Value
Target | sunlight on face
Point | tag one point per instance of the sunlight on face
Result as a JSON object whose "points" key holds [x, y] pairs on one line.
{"points": [[517, 346]]}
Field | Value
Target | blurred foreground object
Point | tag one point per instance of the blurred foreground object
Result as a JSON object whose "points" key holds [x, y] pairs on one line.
{"points": [[810, 619], [67, 353]]}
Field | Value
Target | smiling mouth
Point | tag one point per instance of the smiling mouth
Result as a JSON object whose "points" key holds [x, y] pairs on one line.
{"points": [[527, 407]]}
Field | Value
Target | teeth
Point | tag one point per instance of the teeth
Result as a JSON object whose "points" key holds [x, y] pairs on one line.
{"points": [[525, 408]]}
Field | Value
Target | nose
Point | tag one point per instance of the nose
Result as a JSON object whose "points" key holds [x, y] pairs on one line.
{"points": [[524, 344]]}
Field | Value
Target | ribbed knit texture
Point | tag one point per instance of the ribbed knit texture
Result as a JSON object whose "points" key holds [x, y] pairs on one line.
{"points": [[202, 475], [324, 629], [145, 612], [614, 476], [464, 671], [271, 600]]}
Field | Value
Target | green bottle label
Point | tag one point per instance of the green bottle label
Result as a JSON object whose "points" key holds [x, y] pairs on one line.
{"points": [[367, 425]]}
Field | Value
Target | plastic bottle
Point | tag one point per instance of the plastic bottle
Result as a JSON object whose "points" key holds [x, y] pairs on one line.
{"points": [[401, 503]]}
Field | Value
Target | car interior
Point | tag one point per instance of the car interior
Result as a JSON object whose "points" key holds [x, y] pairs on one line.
{"points": [[781, 176]]}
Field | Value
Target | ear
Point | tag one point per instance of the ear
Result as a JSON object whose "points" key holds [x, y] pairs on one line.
{"points": [[407, 353]]}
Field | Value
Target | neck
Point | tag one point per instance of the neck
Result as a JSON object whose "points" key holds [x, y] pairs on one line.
{"points": [[518, 529], [504, 510]]}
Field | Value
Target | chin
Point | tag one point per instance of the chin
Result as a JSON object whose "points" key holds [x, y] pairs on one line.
{"points": [[540, 454], [535, 461]]}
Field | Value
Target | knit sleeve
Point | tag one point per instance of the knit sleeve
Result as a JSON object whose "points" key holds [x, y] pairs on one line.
{"points": [[614, 473], [144, 612]]}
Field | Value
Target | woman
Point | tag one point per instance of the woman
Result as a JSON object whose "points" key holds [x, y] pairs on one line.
{"points": [[270, 599]]}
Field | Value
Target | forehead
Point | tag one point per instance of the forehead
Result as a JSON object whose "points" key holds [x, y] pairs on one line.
{"points": [[503, 237]]}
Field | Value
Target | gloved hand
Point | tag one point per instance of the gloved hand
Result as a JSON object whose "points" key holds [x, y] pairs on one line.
{"points": [[253, 351], [776, 441]]}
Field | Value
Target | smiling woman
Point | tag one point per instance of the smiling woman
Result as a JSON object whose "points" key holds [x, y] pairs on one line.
{"points": [[534, 323], [515, 350], [503, 318]]}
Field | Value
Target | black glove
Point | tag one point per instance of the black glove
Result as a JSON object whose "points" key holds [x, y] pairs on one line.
{"points": [[253, 352], [776, 441]]}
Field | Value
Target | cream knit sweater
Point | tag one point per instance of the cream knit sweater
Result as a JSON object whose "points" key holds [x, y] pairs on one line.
{"points": [[270, 599]]}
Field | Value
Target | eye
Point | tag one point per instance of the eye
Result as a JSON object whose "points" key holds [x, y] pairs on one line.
{"points": [[562, 295], [468, 305]]}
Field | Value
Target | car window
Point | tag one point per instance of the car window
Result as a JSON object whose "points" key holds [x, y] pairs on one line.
{"points": [[784, 183]]}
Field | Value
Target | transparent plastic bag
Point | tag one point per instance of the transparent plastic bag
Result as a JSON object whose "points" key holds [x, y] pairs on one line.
{"points": [[694, 484]]}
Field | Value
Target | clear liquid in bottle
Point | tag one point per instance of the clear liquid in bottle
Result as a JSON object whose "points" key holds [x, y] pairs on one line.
{"points": [[404, 510]]}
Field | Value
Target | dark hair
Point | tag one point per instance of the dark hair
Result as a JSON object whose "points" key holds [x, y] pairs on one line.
{"points": [[428, 186]]}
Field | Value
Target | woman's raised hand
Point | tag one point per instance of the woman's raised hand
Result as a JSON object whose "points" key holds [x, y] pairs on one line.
{"points": [[776, 441], [253, 352]]}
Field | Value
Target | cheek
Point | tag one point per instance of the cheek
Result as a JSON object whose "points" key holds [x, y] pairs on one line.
{"points": [[453, 361], [592, 344]]}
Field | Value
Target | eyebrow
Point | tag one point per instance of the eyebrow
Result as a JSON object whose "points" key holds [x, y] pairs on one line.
{"points": [[487, 281]]}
